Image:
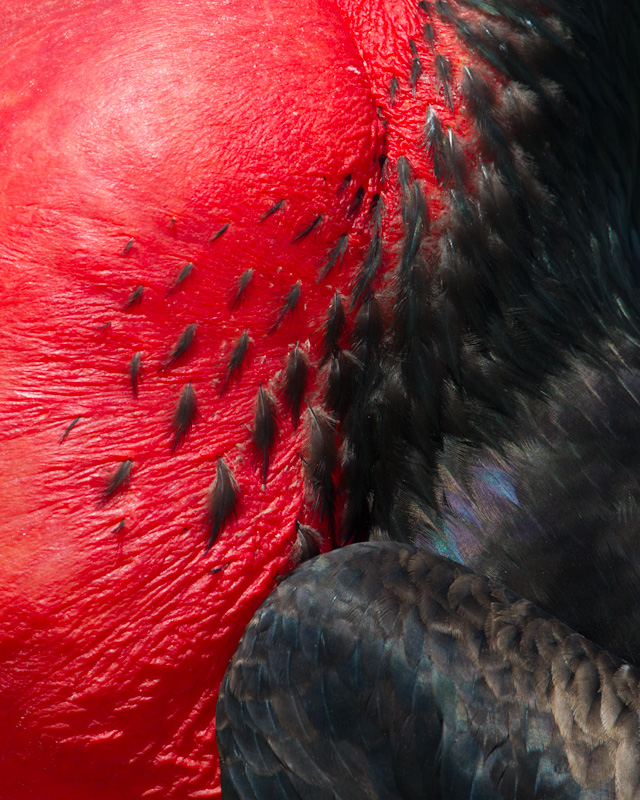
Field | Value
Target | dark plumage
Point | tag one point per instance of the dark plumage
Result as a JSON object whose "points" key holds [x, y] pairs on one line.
{"points": [[493, 420], [401, 674]]}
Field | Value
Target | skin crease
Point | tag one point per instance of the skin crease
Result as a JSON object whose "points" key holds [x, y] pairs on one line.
{"points": [[131, 133]]}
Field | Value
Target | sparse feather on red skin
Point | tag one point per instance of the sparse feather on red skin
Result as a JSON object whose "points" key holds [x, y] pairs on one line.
{"points": [[137, 138]]}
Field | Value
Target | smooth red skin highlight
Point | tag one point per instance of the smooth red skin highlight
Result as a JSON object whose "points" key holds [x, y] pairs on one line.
{"points": [[160, 123]]}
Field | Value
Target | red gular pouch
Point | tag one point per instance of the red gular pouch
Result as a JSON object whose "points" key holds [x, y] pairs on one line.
{"points": [[198, 204]]}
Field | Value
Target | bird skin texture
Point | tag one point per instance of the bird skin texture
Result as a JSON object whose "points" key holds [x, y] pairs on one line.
{"points": [[173, 178]]}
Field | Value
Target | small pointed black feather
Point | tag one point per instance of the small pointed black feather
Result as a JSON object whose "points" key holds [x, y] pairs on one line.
{"points": [[375, 205], [334, 328], [220, 232], [443, 70], [429, 34], [135, 372], [416, 72], [223, 501], [265, 429], [296, 379], [306, 231], [336, 255], [369, 269], [119, 481], [290, 302], [182, 276], [447, 156], [182, 346], [357, 202], [393, 91], [345, 183], [405, 173], [307, 545], [236, 359], [320, 461], [135, 298], [69, 428], [414, 213], [240, 289], [184, 416], [274, 208]]}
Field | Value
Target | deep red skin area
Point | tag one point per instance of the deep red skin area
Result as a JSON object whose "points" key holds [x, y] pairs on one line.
{"points": [[161, 123]]}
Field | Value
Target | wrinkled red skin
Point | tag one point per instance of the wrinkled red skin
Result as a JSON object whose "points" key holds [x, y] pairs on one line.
{"points": [[161, 122]]}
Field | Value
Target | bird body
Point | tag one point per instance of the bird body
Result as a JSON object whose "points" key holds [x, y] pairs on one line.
{"points": [[278, 277]]}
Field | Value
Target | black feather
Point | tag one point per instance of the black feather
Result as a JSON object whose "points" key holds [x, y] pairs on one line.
{"points": [[290, 302], [265, 429], [236, 359], [357, 202], [135, 298], [135, 372], [181, 347], [320, 461], [336, 255], [182, 276], [184, 416], [307, 545], [220, 232], [334, 328], [306, 231], [275, 207], [368, 329], [240, 289], [69, 428], [443, 71], [429, 34], [342, 375], [447, 157], [416, 72], [345, 183], [369, 269], [119, 481], [296, 380], [222, 504], [414, 212]]}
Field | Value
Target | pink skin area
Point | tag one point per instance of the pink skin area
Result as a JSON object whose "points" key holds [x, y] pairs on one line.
{"points": [[131, 133]]}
